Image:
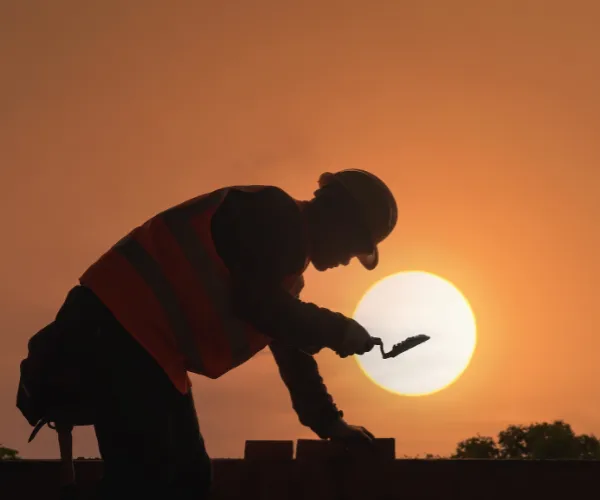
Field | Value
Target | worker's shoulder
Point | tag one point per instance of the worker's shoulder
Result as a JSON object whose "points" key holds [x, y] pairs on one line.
{"points": [[258, 226], [271, 200], [262, 192]]}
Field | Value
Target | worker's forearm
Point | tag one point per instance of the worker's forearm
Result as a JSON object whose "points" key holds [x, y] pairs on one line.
{"points": [[310, 398], [282, 317]]}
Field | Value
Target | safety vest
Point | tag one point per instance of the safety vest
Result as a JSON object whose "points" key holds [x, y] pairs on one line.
{"points": [[167, 286]]}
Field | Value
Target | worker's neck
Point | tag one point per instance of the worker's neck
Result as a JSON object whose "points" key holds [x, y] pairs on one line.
{"points": [[310, 215]]}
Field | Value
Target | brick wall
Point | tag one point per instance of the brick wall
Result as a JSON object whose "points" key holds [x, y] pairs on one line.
{"points": [[322, 470]]}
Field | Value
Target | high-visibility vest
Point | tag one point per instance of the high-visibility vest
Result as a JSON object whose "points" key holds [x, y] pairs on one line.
{"points": [[167, 286]]}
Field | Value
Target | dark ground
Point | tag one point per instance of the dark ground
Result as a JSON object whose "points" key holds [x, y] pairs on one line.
{"points": [[319, 470]]}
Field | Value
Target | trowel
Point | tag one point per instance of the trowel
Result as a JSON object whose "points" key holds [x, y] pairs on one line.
{"points": [[403, 346], [397, 349]]}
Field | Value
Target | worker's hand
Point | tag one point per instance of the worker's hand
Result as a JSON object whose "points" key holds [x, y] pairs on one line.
{"points": [[356, 340], [342, 431]]}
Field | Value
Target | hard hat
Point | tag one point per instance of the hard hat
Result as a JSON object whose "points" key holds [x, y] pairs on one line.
{"points": [[376, 204]]}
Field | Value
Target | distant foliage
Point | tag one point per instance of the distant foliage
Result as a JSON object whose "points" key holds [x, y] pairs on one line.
{"points": [[8, 453], [539, 441], [477, 447]]}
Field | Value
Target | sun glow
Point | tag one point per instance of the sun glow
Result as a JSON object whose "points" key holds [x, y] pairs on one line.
{"points": [[411, 303]]}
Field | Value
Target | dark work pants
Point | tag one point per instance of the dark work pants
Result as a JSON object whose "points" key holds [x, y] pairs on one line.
{"points": [[147, 431]]}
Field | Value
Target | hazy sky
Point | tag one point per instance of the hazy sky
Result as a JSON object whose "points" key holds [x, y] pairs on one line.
{"points": [[483, 116]]}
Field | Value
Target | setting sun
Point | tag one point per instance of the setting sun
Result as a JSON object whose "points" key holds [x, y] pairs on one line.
{"points": [[412, 303]]}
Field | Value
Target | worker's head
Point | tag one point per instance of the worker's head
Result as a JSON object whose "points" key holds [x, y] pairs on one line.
{"points": [[352, 212]]}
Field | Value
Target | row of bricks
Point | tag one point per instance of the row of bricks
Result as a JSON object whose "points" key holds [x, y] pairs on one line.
{"points": [[312, 449]]}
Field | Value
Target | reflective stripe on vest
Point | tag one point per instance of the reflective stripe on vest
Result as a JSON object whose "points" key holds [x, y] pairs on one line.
{"points": [[178, 221]]}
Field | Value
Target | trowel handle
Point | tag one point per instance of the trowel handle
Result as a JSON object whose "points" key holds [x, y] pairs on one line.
{"points": [[377, 342]]}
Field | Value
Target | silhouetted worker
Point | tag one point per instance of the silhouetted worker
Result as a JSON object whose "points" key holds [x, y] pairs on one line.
{"points": [[201, 288]]}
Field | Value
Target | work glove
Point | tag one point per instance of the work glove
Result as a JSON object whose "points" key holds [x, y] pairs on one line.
{"points": [[356, 340], [340, 430]]}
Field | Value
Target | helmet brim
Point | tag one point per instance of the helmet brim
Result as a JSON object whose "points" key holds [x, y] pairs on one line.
{"points": [[369, 261]]}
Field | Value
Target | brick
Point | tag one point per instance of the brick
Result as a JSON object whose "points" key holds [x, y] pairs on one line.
{"points": [[316, 480], [270, 480], [318, 449], [269, 450]]}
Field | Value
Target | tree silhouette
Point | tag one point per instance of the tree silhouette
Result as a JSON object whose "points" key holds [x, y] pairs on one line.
{"points": [[477, 447], [8, 453], [589, 447], [538, 441]]}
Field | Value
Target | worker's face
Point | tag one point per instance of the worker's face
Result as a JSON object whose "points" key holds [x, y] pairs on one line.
{"points": [[339, 237]]}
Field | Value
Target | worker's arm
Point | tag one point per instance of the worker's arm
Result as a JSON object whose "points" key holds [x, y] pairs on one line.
{"points": [[260, 238], [310, 399]]}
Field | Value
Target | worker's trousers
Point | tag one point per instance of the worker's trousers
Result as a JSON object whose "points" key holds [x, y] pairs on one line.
{"points": [[147, 431]]}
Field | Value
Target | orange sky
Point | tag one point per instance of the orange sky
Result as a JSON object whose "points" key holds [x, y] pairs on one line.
{"points": [[483, 117]]}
